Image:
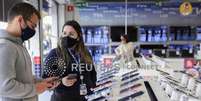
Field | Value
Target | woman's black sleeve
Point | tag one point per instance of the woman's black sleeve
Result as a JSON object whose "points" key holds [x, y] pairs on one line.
{"points": [[46, 70]]}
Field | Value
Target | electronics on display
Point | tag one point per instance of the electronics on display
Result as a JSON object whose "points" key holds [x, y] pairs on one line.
{"points": [[95, 34], [185, 50], [182, 33], [95, 38], [153, 33], [198, 31], [107, 83]]}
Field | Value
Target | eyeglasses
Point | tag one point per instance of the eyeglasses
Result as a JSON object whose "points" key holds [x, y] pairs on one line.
{"points": [[70, 33], [33, 24]]}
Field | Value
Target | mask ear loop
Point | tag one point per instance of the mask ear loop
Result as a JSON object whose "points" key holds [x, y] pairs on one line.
{"points": [[24, 23], [20, 27], [20, 20]]}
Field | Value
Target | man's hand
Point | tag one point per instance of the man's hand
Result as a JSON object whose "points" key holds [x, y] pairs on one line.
{"points": [[42, 86], [49, 83], [54, 81]]}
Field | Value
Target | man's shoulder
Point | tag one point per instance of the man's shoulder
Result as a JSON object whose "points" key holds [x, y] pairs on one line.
{"points": [[7, 43], [7, 47]]}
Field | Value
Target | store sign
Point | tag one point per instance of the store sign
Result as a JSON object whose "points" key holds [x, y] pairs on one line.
{"points": [[70, 8], [186, 8], [81, 4], [142, 13]]}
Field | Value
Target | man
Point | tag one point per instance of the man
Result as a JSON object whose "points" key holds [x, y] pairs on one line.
{"points": [[16, 80]]}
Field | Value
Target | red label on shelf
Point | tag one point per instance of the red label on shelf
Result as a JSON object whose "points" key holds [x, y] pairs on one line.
{"points": [[108, 62], [37, 59], [189, 63]]}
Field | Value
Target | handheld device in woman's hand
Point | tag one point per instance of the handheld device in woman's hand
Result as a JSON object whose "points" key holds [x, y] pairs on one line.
{"points": [[72, 76]]}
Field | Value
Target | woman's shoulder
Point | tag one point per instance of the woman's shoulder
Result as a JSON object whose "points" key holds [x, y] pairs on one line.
{"points": [[52, 53], [130, 43]]}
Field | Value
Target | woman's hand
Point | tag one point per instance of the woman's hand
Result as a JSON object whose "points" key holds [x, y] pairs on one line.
{"points": [[68, 82]]}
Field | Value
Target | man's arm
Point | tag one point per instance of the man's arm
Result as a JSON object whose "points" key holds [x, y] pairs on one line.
{"points": [[9, 86]]}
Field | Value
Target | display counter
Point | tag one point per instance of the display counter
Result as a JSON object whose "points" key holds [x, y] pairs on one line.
{"points": [[143, 82]]}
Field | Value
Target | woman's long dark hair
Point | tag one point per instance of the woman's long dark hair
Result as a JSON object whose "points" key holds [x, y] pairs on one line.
{"points": [[125, 37], [80, 48]]}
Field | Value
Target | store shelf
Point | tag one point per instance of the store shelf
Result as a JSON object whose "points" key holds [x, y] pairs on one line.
{"points": [[95, 44], [182, 42], [114, 43], [152, 43]]}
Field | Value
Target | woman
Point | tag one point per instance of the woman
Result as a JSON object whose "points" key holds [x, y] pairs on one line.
{"points": [[72, 62], [125, 49]]}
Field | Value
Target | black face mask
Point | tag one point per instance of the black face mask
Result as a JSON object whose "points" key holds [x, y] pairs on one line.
{"points": [[27, 33], [69, 42]]}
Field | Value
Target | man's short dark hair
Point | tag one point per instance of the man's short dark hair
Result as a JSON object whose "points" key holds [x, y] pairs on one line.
{"points": [[24, 9]]}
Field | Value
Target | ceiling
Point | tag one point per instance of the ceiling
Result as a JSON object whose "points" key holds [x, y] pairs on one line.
{"points": [[131, 0], [77, 1], [138, 14]]}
